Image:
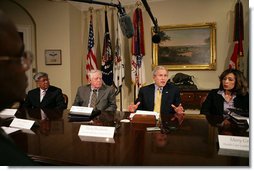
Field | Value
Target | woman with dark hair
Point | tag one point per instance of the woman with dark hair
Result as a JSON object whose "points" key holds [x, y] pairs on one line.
{"points": [[232, 93]]}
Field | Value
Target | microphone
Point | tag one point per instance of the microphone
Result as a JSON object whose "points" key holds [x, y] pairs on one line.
{"points": [[125, 22], [156, 37]]}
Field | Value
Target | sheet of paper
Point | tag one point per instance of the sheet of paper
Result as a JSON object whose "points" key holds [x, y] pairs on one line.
{"points": [[125, 120], [238, 117], [22, 123], [9, 130], [7, 113], [81, 110]]}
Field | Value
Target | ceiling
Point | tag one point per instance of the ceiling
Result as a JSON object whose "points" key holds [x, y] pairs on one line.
{"points": [[84, 6]]}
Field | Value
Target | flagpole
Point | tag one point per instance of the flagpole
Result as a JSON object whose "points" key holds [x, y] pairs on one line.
{"points": [[121, 98], [134, 91]]}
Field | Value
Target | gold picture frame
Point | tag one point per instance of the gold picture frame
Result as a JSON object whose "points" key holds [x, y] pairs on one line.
{"points": [[186, 47]]}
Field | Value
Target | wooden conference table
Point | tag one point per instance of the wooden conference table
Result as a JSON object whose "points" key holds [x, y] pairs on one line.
{"points": [[56, 142]]}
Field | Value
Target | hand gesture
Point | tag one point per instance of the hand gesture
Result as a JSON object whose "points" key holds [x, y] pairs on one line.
{"points": [[133, 107], [179, 115]]}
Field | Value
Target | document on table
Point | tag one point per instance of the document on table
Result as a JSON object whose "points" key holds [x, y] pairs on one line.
{"points": [[8, 113]]}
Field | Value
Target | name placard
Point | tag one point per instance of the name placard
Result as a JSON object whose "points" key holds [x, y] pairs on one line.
{"points": [[81, 110], [233, 145], [21, 123], [96, 133]]}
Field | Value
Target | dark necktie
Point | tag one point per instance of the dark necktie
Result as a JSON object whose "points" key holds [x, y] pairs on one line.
{"points": [[93, 99]]}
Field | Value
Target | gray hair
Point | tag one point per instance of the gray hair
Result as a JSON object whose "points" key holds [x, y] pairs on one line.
{"points": [[159, 67], [93, 72], [39, 75]]}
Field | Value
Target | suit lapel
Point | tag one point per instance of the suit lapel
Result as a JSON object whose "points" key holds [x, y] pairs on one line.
{"points": [[165, 95], [151, 98], [86, 94], [101, 93], [37, 96]]}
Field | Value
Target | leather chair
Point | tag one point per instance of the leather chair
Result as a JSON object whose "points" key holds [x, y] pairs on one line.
{"points": [[65, 100]]}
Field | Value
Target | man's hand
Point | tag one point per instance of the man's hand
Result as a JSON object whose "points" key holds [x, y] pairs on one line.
{"points": [[178, 109], [133, 107], [179, 115]]}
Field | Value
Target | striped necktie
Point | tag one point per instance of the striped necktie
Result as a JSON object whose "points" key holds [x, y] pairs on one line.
{"points": [[93, 98]]}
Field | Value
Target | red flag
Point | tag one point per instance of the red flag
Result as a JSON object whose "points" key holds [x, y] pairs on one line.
{"points": [[138, 51], [233, 60], [91, 62], [238, 36], [238, 32]]}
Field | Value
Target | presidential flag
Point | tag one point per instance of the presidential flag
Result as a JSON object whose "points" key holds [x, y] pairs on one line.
{"points": [[91, 62], [107, 56]]}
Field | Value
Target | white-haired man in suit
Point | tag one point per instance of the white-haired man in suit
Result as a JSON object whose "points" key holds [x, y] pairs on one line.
{"points": [[105, 95]]}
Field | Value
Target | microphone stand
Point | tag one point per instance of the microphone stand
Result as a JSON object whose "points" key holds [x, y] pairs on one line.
{"points": [[154, 20]]}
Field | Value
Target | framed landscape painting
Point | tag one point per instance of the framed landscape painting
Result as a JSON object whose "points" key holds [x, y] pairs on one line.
{"points": [[186, 47]]}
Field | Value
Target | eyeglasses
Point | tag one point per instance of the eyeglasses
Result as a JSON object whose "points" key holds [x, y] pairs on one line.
{"points": [[26, 59]]}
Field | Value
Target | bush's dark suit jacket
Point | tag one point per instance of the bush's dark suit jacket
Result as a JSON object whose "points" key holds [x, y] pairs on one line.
{"points": [[53, 99], [214, 103], [170, 95], [106, 100]]}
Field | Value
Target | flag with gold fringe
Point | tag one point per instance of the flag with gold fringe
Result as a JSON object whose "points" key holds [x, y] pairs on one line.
{"points": [[138, 51], [118, 62]]}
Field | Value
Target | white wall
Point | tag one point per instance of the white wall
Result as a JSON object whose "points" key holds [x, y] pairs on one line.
{"points": [[57, 27]]}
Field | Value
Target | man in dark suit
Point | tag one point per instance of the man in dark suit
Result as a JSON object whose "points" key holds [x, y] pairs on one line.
{"points": [[105, 99], [13, 64], [170, 101], [45, 96]]}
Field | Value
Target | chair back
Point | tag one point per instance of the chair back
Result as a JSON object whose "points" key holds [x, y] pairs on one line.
{"points": [[65, 100]]}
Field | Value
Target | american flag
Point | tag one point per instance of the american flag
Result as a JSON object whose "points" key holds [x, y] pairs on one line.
{"points": [[107, 57], [91, 63]]}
